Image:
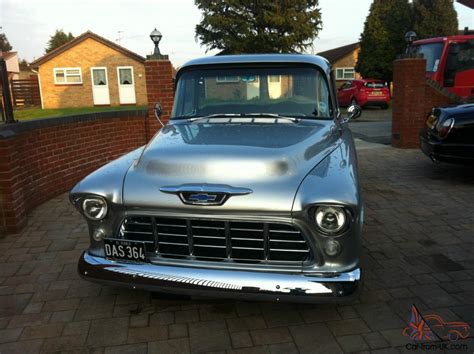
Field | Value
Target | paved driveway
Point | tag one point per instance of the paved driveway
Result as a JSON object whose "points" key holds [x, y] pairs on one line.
{"points": [[418, 249], [374, 126]]}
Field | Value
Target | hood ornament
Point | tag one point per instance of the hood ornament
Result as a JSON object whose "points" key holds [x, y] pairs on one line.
{"points": [[205, 194]]}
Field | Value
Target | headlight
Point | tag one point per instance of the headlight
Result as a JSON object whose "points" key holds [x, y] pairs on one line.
{"points": [[94, 208], [445, 127], [330, 219]]}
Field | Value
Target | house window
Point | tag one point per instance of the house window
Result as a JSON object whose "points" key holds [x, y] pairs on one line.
{"points": [[345, 73], [226, 79], [68, 76]]}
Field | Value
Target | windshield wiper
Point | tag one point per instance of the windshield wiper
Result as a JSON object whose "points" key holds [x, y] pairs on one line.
{"points": [[270, 115], [217, 115], [244, 115]]}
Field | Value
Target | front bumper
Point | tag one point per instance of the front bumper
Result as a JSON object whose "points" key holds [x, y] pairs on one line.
{"points": [[233, 284], [375, 101], [445, 152]]}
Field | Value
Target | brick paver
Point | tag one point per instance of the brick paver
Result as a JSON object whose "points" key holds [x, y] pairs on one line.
{"points": [[417, 248]]}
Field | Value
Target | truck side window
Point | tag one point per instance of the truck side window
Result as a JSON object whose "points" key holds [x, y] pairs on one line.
{"points": [[466, 57], [460, 58]]}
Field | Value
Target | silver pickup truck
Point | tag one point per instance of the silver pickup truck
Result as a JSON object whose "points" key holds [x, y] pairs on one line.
{"points": [[250, 191]]}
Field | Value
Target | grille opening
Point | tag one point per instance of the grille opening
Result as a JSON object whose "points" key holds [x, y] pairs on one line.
{"points": [[218, 240], [208, 252], [246, 254], [137, 229], [285, 256]]}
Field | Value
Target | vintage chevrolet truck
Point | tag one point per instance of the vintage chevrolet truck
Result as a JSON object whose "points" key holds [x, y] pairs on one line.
{"points": [[251, 190]]}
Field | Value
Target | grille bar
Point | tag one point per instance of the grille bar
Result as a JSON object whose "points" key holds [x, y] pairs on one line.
{"points": [[285, 231], [292, 241], [170, 225], [189, 233], [266, 242], [218, 240], [138, 232], [287, 250]]}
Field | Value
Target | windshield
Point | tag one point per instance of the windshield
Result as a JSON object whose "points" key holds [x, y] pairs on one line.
{"points": [[432, 53], [287, 91]]}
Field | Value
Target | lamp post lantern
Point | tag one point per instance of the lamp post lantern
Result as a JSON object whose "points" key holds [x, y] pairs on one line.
{"points": [[410, 37], [156, 36]]}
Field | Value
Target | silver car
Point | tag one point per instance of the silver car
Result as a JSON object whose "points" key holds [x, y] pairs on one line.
{"points": [[250, 191]]}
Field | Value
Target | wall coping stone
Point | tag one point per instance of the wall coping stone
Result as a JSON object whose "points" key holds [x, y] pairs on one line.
{"points": [[10, 130]]}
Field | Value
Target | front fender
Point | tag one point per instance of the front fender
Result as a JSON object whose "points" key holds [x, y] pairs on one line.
{"points": [[107, 181], [334, 181]]}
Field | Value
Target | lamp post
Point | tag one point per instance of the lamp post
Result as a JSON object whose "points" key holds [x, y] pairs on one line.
{"points": [[410, 37], [156, 36]]}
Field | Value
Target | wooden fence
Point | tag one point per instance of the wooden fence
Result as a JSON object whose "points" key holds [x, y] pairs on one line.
{"points": [[26, 93]]}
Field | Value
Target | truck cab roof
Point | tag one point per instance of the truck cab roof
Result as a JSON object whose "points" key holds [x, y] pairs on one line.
{"points": [[460, 38]]}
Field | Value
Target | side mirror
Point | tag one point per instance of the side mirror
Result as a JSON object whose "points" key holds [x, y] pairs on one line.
{"points": [[158, 110], [353, 112]]}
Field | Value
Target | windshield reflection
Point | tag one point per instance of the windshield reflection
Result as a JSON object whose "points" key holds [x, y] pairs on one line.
{"points": [[289, 91]]}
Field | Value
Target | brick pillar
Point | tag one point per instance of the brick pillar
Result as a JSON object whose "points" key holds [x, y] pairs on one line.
{"points": [[159, 86], [409, 109], [12, 203]]}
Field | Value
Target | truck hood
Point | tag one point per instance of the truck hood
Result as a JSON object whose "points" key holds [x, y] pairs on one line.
{"points": [[268, 159]]}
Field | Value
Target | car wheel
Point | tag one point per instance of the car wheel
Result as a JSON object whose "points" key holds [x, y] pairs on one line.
{"points": [[385, 106], [353, 101], [453, 336]]}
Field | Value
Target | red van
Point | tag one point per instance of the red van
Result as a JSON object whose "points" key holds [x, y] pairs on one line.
{"points": [[449, 62]]}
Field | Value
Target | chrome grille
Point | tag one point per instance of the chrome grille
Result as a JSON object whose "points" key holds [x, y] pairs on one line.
{"points": [[217, 240]]}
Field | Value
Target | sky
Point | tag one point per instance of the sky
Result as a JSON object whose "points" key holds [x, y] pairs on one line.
{"points": [[28, 24]]}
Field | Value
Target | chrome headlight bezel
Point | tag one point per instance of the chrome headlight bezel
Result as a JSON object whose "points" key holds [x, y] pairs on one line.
{"points": [[87, 202], [445, 127], [343, 218]]}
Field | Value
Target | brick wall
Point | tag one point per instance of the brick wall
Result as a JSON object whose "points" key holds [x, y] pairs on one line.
{"points": [[160, 88], [87, 54], [41, 159], [413, 99]]}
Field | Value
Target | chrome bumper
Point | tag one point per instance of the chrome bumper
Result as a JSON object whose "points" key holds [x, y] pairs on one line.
{"points": [[234, 284]]}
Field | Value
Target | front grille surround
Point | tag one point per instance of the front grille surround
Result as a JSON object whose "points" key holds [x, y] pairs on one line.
{"points": [[215, 240]]}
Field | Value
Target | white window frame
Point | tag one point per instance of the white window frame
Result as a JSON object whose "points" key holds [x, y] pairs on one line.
{"points": [[220, 80], [55, 70], [343, 77], [118, 75], [106, 75]]}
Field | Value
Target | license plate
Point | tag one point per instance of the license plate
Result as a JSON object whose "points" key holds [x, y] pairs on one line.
{"points": [[376, 93], [125, 250]]}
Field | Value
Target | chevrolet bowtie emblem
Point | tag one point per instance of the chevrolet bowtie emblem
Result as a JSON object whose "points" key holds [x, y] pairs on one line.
{"points": [[202, 197], [205, 194]]}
